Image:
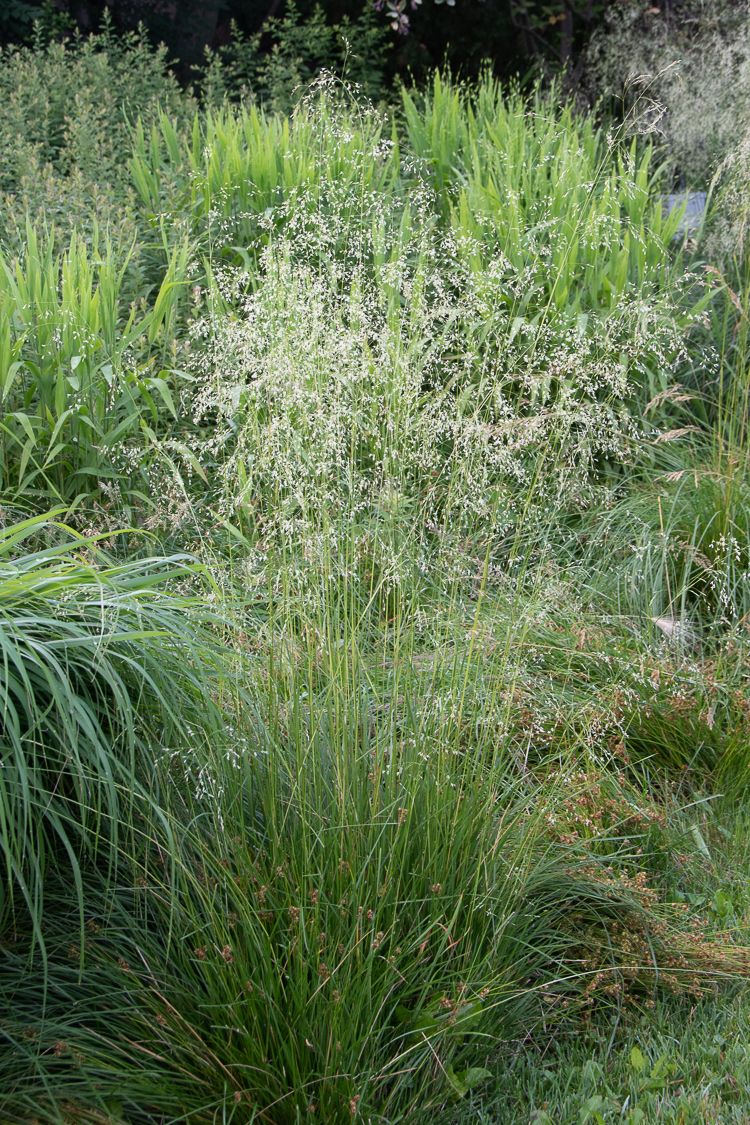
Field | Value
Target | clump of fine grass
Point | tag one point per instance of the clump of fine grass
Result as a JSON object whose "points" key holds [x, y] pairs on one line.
{"points": [[683, 74], [357, 914], [100, 669]]}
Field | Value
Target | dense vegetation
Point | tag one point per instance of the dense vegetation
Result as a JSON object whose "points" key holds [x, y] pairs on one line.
{"points": [[411, 35], [375, 627]]}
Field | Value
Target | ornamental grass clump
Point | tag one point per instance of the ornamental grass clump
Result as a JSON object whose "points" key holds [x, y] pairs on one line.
{"points": [[100, 663], [352, 916], [682, 74], [472, 337], [413, 411]]}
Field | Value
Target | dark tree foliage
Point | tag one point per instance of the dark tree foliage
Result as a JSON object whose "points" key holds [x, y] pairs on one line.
{"points": [[17, 19], [516, 35]]}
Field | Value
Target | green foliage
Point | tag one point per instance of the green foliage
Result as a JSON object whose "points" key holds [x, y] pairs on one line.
{"points": [[427, 771], [17, 18], [300, 49], [69, 105], [675, 1063], [101, 670], [348, 870], [541, 185], [78, 373], [66, 112]]}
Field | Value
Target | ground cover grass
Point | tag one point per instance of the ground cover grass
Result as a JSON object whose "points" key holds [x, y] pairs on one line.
{"points": [[420, 785]]}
